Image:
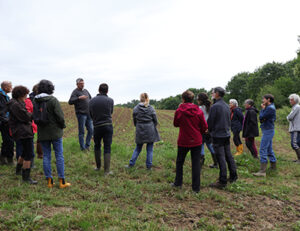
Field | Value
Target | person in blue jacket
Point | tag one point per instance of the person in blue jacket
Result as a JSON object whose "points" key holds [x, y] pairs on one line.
{"points": [[267, 117]]}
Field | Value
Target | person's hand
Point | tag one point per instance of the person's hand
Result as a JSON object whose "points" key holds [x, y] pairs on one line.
{"points": [[206, 131], [83, 97], [263, 106]]}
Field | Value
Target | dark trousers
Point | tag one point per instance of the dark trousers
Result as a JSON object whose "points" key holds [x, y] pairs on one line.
{"points": [[7, 149], [236, 138], [197, 161], [223, 154], [103, 133], [20, 147], [27, 149], [250, 143]]}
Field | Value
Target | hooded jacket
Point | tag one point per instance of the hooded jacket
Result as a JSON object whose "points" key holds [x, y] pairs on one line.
{"points": [[191, 122], [237, 118], [294, 119], [54, 129], [4, 98], [145, 121], [250, 125], [19, 120]]}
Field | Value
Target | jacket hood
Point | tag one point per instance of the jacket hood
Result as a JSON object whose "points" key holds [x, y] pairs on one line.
{"points": [[42, 97], [189, 109], [252, 108], [143, 108]]}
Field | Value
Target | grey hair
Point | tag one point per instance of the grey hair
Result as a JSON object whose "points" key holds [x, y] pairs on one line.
{"points": [[249, 101], [5, 83], [295, 97], [79, 80], [234, 102]]}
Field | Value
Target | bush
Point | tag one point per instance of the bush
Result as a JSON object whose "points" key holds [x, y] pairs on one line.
{"points": [[281, 115]]}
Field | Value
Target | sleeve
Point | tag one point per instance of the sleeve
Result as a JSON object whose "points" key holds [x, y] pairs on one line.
{"points": [[177, 117], [90, 109], [112, 106], [265, 113], [203, 123], [21, 113], [134, 114], [293, 113], [3, 110], [211, 118], [154, 117], [74, 98], [59, 114]]}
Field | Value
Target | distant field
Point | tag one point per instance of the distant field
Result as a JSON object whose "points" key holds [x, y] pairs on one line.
{"points": [[137, 199]]}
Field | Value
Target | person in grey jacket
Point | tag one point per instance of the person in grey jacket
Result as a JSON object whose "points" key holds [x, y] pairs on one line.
{"points": [[101, 108], [219, 128], [145, 121], [80, 98], [294, 128]]}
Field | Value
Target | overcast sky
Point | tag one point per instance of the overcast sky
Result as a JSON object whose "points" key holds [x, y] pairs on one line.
{"points": [[161, 47]]}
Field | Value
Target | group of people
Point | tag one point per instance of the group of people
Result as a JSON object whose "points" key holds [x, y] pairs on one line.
{"points": [[206, 123]]}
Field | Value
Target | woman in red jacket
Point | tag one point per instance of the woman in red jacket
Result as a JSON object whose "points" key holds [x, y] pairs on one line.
{"points": [[192, 125]]}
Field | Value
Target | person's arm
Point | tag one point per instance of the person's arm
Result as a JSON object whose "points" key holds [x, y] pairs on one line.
{"points": [[134, 114], [266, 113], [74, 98], [177, 117], [203, 123], [154, 117], [293, 113], [21, 113], [112, 107], [211, 118], [58, 114], [3, 110], [90, 110]]}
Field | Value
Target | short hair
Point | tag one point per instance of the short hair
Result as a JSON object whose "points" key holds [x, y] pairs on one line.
{"points": [[220, 91], [250, 102], [103, 88], [5, 83], [295, 97], [234, 102], [270, 97], [19, 91], [35, 89], [45, 86], [79, 80], [188, 96]]}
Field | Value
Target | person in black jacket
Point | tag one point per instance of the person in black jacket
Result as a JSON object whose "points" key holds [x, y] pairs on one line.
{"points": [[237, 118], [21, 128], [7, 148], [250, 127], [101, 108], [80, 97], [219, 128]]}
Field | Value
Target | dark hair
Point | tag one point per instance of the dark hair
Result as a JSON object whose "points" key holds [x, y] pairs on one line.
{"points": [[269, 96], [188, 96], [19, 91], [250, 102], [45, 86], [35, 89], [103, 88], [220, 91], [203, 97]]}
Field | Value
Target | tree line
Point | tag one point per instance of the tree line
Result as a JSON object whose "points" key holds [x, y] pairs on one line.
{"points": [[278, 79]]}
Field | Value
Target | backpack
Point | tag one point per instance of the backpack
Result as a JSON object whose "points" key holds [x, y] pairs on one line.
{"points": [[40, 113]]}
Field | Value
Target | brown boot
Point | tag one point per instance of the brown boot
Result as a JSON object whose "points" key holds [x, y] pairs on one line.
{"points": [[50, 182], [262, 171], [273, 166], [107, 164], [298, 156], [63, 183]]}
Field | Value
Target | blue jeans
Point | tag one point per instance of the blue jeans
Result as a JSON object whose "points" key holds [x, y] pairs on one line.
{"points": [[58, 150], [137, 152], [266, 150], [84, 121], [19, 149], [295, 140], [209, 146]]}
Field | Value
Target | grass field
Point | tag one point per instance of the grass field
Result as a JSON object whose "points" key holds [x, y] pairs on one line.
{"points": [[138, 199]]}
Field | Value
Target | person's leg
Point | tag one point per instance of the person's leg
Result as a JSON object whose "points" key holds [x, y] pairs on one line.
{"points": [[250, 143], [27, 156], [271, 154], [213, 155], [81, 122], [90, 130], [196, 167], [7, 150], [97, 147], [107, 140], [19, 149], [46, 147], [230, 162], [220, 154], [263, 153], [33, 155], [181, 154], [236, 138], [149, 155], [135, 154]]}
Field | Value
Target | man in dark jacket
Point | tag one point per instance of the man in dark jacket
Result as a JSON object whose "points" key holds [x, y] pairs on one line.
{"points": [[7, 149], [219, 128], [101, 108], [80, 98]]}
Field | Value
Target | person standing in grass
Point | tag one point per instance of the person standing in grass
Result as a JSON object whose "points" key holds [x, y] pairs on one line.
{"points": [[294, 128], [80, 98], [219, 128], [237, 118], [267, 117], [145, 121], [192, 125], [205, 107], [250, 127], [7, 148], [101, 108], [20, 123], [50, 131]]}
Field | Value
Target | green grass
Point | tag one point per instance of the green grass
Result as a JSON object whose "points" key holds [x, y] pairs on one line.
{"points": [[137, 199]]}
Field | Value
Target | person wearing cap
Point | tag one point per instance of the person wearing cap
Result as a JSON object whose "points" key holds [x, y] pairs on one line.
{"points": [[80, 98]]}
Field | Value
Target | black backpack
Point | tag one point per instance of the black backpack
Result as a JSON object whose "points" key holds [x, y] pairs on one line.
{"points": [[40, 113]]}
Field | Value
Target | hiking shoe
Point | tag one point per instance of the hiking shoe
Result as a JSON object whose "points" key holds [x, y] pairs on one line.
{"points": [[218, 185]]}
